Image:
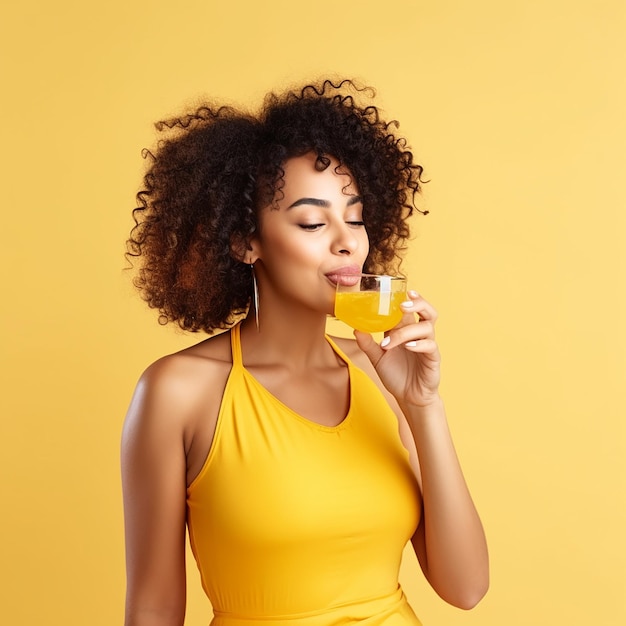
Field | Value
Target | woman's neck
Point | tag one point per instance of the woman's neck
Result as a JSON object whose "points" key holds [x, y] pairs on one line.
{"points": [[294, 342]]}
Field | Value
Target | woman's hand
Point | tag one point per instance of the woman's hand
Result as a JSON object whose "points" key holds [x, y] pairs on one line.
{"points": [[407, 359]]}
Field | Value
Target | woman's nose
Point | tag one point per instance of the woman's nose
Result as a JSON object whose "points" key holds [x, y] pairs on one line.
{"points": [[346, 241]]}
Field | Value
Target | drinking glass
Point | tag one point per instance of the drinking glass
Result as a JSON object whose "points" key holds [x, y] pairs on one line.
{"points": [[370, 302]]}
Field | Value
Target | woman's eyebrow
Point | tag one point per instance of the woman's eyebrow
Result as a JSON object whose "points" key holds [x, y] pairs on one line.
{"points": [[314, 201], [325, 204]]}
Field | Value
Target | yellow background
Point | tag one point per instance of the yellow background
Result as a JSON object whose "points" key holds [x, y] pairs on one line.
{"points": [[517, 111]]}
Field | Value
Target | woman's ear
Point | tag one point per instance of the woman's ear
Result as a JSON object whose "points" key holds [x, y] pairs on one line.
{"points": [[244, 250]]}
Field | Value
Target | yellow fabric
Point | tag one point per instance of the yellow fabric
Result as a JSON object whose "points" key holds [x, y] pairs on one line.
{"points": [[291, 520]]}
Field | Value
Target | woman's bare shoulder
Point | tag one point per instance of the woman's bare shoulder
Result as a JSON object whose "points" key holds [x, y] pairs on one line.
{"points": [[176, 385], [209, 356], [174, 410]]}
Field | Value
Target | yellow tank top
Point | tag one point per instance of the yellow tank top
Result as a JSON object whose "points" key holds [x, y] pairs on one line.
{"points": [[292, 522]]}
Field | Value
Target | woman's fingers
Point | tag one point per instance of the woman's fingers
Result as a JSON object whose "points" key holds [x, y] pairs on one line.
{"points": [[366, 342], [417, 304], [424, 346], [409, 335], [417, 336]]}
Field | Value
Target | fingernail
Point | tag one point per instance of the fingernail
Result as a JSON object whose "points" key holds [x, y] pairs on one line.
{"points": [[413, 294], [410, 344], [385, 341], [407, 304]]}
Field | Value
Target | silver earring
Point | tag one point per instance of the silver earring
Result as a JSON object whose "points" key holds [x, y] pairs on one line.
{"points": [[256, 297]]}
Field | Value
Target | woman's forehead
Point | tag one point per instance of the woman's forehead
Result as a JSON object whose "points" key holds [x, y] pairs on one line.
{"points": [[303, 172]]}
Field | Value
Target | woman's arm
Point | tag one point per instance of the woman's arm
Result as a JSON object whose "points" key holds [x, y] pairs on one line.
{"points": [[154, 485], [450, 541]]}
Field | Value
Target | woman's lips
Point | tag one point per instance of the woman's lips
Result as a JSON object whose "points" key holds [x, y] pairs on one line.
{"points": [[348, 275]]}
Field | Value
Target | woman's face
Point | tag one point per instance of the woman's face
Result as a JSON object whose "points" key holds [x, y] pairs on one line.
{"points": [[312, 234]]}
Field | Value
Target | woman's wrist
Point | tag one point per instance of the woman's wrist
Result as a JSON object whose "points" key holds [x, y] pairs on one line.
{"points": [[429, 406], [428, 415]]}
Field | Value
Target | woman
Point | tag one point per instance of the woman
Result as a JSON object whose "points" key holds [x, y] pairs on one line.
{"points": [[301, 464]]}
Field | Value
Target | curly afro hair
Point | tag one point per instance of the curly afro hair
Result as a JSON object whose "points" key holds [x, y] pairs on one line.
{"points": [[210, 175]]}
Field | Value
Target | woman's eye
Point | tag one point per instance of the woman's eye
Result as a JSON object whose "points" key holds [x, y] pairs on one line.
{"points": [[310, 226], [358, 223]]}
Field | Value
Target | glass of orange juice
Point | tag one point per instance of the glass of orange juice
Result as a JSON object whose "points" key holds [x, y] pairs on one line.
{"points": [[370, 302]]}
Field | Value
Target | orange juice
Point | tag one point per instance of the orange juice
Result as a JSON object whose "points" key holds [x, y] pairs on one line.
{"points": [[364, 311]]}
